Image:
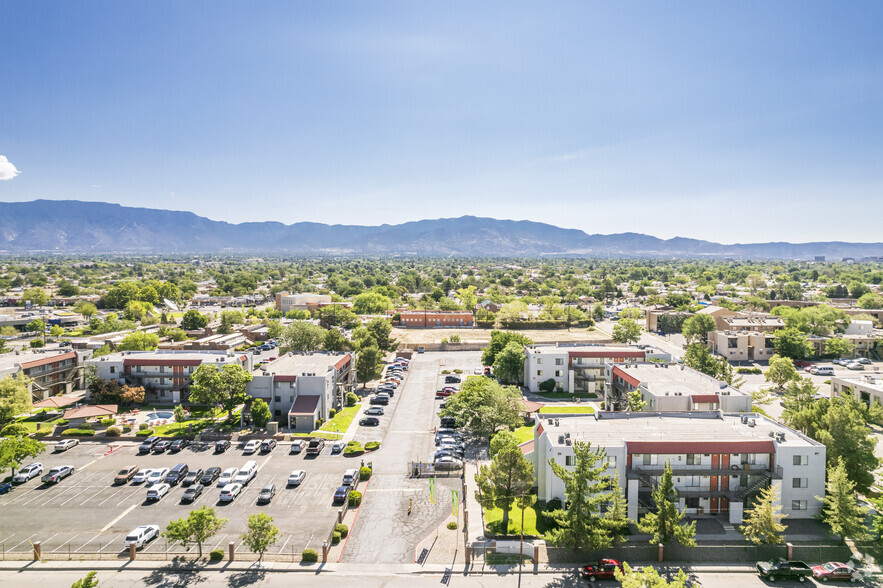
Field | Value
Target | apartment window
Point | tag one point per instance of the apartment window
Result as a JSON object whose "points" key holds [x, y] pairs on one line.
{"points": [[800, 482], [113, 370], [748, 458], [277, 399], [798, 505], [647, 459], [162, 369], [558, 373], [801, 460], [539, 372], [611, 461], [539, 361], [569, 460], [691, 502], [559, 361], [694, 459], [691, 481], [731, 343]]}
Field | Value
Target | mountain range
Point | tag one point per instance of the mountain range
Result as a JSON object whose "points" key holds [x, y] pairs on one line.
{"points": [[74, 227]]}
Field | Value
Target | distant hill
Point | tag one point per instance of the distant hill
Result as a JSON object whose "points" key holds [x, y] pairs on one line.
{"points": [[70, 226]]}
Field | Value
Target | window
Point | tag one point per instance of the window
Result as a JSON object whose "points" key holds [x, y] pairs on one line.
{"points": [[647, 459], [558, 373], [113, 369], [801, 460], [798, 505], [559, 361], [277, 398], [611, 461], [694, 459], [731, 343], [691, 481], [691, 502], [539, 372], [569, 460], [539, 361], [800, 482]]}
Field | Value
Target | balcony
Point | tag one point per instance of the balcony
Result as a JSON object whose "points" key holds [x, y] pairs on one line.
{"points": [[707, 470]]}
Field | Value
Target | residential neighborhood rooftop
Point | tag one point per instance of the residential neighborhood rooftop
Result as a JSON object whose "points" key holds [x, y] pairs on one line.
{"points": [[660, 378], [304, 363]]}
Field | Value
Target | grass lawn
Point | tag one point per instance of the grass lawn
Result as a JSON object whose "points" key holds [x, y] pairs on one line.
{"points": [[563, 395], [493, 518], [320, 435], [567, 410], [182, 429], [524, 434], [31, 422], [503, 559], [341, 421]]}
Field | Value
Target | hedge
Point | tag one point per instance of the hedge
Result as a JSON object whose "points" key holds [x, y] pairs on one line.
{"points": [[353, 449], [112, 432], [127, 428], [78, 433], [372, 445], [108, 422], [41, 433], [530, 325], [143, 427], [355, 498], [309, 555], [342, 529], [216, 555], [14, 430], [452, 525], [335, 538], [364, 473], [144, 433]]}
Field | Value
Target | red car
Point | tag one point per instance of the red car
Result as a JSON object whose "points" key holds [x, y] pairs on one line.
{"points": [[834, 570], [602, 570], [446, 391]]}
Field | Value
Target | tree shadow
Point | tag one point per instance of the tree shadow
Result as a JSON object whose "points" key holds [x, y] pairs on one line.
{"points": [[180, 573], [571, 578], [249, 577]]}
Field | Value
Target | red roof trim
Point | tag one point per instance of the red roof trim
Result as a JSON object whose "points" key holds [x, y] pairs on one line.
{"points": [[611, 353], [704, 398], [540, 429], [284, 378], [343, 362], [625, 376], [26, 365], [162, 362], [700, 446]]}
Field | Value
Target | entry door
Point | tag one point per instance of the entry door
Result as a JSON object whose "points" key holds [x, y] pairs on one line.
{"points": [[725, 461], [714, 483], [725, 482], [714, 505], [715, 461]]}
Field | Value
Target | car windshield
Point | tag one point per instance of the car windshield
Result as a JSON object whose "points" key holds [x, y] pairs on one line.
{"points": [[124, 472], [829, 567]]}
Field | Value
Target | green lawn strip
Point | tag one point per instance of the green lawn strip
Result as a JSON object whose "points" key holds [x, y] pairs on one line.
{"points": [[524, 434], [341, 421], [563, 395], [493, 518], [181, 429], [504, 559], [319, 434], [567, 410]]}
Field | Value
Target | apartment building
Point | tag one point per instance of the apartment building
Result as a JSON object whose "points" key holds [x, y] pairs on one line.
{"points": [[868, 387], [751, 322], [49, 374], [580, 368], [742, 345], [311, 302], [718, 460], [671, 387], [436, 318], [302, 388], [165, 374]]}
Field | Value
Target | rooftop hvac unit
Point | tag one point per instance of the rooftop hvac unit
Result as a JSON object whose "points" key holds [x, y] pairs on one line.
{"points": [[567, 435], [557, 423], [567, 442], [560, 439], [744, 420], [772, 433], [752, 422]]}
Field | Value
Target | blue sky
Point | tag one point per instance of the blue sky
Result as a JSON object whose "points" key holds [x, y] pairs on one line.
{"points": [[733, 122]]}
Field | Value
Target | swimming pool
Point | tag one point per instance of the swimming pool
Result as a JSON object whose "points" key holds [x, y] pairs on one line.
{"points": [[160, 415]]}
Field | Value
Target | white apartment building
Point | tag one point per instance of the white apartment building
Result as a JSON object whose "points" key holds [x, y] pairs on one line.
{"points": [[718, 460], [311, 302], [742, 345], [867, 388]]}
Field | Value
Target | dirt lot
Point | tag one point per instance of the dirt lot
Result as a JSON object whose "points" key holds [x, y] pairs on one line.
{"points": [[423, 336]]}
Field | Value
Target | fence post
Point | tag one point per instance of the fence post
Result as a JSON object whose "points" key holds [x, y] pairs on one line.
{"points": [[661, 548], [790, 551], [325, 551], [468, 554], [232, 551], [37, 549], [132, 551]]}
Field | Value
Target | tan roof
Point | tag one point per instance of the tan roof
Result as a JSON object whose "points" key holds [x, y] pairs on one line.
{"points": [[95, 410], [57, 401]]}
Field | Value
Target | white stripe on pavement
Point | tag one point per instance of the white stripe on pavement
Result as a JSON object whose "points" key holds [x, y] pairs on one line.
{"points": [[113, 522]]}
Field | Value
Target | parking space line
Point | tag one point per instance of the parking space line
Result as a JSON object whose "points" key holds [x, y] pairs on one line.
{"points": [[87, 542], [64, 543], [130, 495], [7, 539], [281, 549], [17, 544], [219, 542], [86, 489], [125, 512], [48, 540]]}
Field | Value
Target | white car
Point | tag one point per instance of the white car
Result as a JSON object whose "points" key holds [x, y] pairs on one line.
{"points": [[338, 446], [157, 476], [57, 473], [252, 446], [227, 476], [297, 445], [26, 473], [230, 491], [141, 535], [157, 491], [296, 477], [855, 366], [66, 444], [141, 476]]}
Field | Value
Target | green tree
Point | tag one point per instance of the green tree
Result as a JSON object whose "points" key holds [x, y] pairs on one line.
{"points": [[499, 340], [260, 413], [509, 365], [469, 300], [841, 510], [261, 534], [483, 406], [781, 371], [839, 347], [197, 527], [14, 450], [700, 359], [665, 524], [626, 331], [648, 577], [507, 478], [335, 341], [800, 406], [586, 489], [763, 521], [616, 519], [301, 337], [180, 415], [847, 436], [380, 329], [88, 581], [139, 341], [193, 320], [696, 328], [36, 326], [225, 386], [370, 303], [35, 296], [369, 364], [335, 315], [790, 342], [870, 300], [15, 398], [635, 401]]}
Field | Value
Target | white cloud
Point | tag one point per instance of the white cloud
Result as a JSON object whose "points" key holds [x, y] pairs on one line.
{"points": [[7, 170]]}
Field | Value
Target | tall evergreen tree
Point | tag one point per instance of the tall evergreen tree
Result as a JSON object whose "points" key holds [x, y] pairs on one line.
{"points": [[665, 524], [763, 521], [616, 518], [507, 478], [841, 510]]}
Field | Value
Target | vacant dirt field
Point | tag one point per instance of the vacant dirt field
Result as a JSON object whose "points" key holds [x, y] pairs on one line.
{"points": [[423, 336]]}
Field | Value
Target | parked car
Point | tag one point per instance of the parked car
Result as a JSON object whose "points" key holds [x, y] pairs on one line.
{"points": [[296, 477], [370, 421], [864, 360], [315, 446], [227, 476], [57, 474], [251, 446], [342, 494], [157, 491], [268, 445], [148, 444], [378, 410], [125, 474], [139, 536], [157, 476], [448, 463], [177, 474], [32, 470], [222, 446], [161, 447], [192, 477], [448, 452], [5, 487], [603, 569], [796, 570], [267, 494], [230, 492], [338, 446], [380, 399], [855, 366], [210, 475], [66, 444], [834, 570], [192, 493], [452, 379], [142, 476], [297, 446], [178, 445], [350, 477], [448, 422]]}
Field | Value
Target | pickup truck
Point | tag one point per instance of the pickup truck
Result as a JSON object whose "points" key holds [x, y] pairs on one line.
{"points": [[796, 570], [315, 446]]}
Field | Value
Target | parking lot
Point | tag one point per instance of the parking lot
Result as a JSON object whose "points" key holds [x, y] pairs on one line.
{"points": [[86, 514]]}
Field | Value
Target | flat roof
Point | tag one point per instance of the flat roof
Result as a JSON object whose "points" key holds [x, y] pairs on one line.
{"points": [[703, 428], [564, 349], [168, 355], [659, 379], [866, 381], [299, 364]]}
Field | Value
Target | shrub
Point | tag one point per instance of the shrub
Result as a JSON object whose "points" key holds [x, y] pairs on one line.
{"points": [[127, 428], [309, 555], [319, 422], [353, 451], [547, 385], [108, 422], [61, 423], [216, 555], [446, 372], [745, 370], [452, 525], [554, 504], [87, 426], [142, 427], [112, 432], [14, 430], [341, 529], [335, 538], [41, 433], [37, 343], [372, 445], [78, 433], [458, 371], [331, 413], [351, 398], [144, 433], [365, 473], [355, 498]]}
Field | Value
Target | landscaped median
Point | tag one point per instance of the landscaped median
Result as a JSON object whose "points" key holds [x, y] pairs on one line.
{"points": [[342, 420], [552, 409]]}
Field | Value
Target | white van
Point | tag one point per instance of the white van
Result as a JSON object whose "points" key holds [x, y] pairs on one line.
{"points": [[822, 370], [246, 473]]}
